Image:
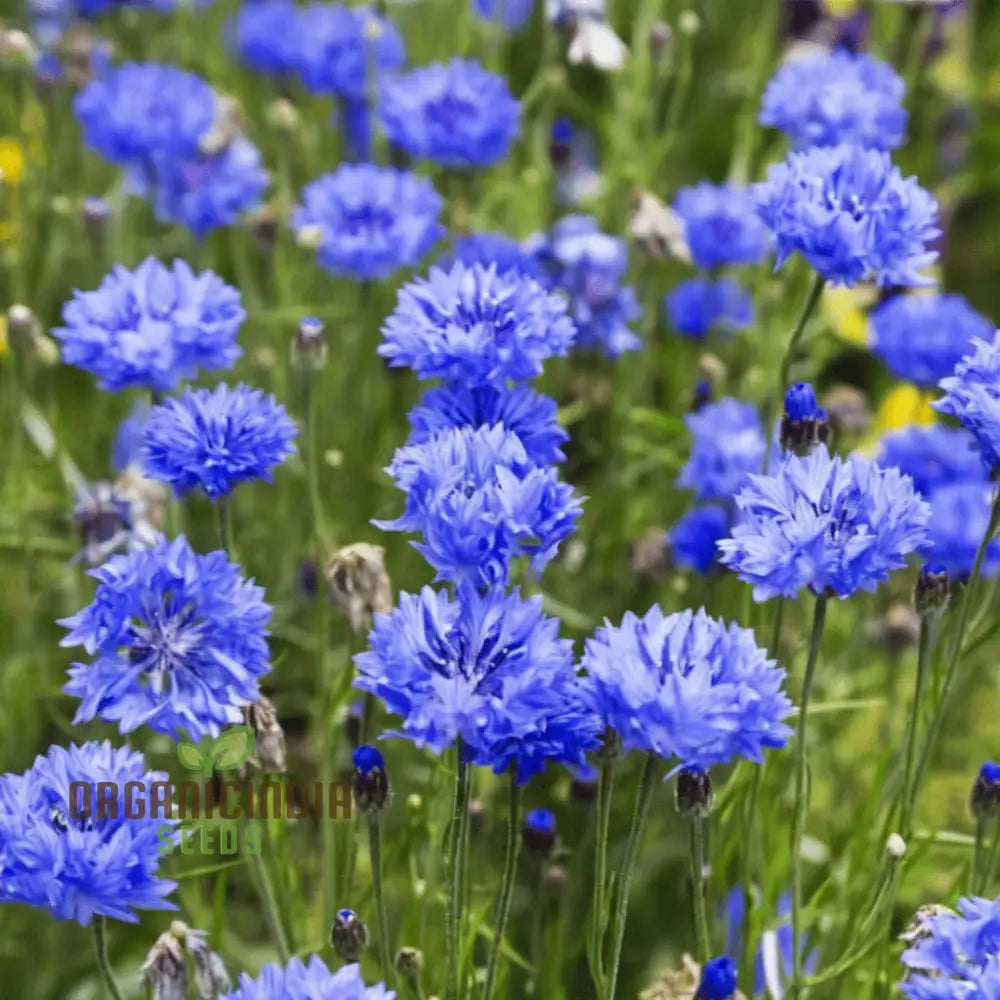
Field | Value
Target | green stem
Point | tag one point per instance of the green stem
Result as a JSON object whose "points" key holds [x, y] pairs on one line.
{"points": [[222, 509], [977, 856], [605, 790], [698, 887], [454, 854], [796, 335], [507, 886], [799, 813], [100, 926], [375, 852], [923, 669], [312, 468], [990, 862], [643, 800], [270, 903]]}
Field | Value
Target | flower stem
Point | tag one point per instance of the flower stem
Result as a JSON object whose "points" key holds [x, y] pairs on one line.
{"points": [[507, 886], [605, 790], [923, 669], [455, 853], [984, 880], [100, 926], [270, 904], [375, 851], [808, 307], [977, 857], [222, 509], [698, 887], [643, 800], [801, 793]]}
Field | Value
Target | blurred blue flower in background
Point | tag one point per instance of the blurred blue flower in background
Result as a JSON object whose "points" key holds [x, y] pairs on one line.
{"points": [[268, 36], [127, 445], [511, 14], [721, 225], [727, 444], [960, 513], [369, 221], [698, 306], [932, 456], [304, 980], [493, 250], [694, 539]]}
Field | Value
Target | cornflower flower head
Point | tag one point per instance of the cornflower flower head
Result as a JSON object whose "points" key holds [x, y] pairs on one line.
{"points": [[698, 306], [923, 337], [152, 327], [69, 849], [480, 502], [851, 214], [456, 114], [727, 445], [827, 98], [960, 514], [484, 670], [510, 14], [687, 687], [694, 539], [832, 525], [589, 266], [932, 456], [340, 47], [216, 439], [954, 955], [493, 249], [971, 396], [372, 220], [310, 980], [526, 413], [177, 641], [721, 225], [476, 326], [267, 36]]}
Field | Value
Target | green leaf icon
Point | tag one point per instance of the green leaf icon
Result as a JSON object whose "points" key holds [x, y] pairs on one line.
{"points": [[233, 747], [191, 757]]}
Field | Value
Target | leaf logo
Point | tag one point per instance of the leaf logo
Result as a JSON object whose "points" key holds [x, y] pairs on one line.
{"points": [[229, 752]]}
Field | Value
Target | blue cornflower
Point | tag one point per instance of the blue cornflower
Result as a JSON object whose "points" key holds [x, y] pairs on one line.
{"points": [[151, 327], [694, 538], [971, 396], [687, 686], [127, 445], [370, 220], [217, 439], [932, 456], [727, 445], [721, 225], [700, 305], [479, 502], [476, 326], [718, 979], [70, 850], [833, 525], [493, 249], [512, 14], [923, 337], [486, 671], [177, 640], [833, 97], [960, 513], [305, 981], [528, 414], [851, 214], [268, 36], [339, 45], [456, 114], [589, 266]]}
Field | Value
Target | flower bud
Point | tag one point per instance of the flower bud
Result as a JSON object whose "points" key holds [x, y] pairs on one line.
{"points": [[718, 979], [309, 350], [359, 584], [270, 737], [895, 846], [899, 628], [22, 329], [409, 962], [649, 555], [307, 583], [477, 816], [804, 423], [106, 521], [555, 878], [660, 37], [164, 971], [689, 23], [348, 935], [283, 116], [693, 797], [657, 229], [16, 48], [701, 396], [309, 237], [848, 409], [538, 832], [352, 724], [932, 591], [371, 783], [584, 785], [95, 212], [985, 799], [263, 225], [561, 142]]}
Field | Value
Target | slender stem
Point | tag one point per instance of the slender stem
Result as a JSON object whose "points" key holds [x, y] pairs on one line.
{"points": [[990, 862], [643, 800], [375, 851], [799, 813], [270, 903], [746, 861], [454, 853], [605, 790], [312, 466], [977, 856], [222, 509], [100, 926], [779, 618], [507, 886], [923, 669], [698, 887], [808, 307]]}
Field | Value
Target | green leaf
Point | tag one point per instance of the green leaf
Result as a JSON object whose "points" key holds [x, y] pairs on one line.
{"points": [[191, 757], [233, 747]]}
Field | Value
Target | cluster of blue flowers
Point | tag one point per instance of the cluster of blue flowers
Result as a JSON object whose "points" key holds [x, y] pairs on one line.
{"points": [[299, 980]]}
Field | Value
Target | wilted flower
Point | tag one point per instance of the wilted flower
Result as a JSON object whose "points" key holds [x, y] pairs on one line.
{"points": [[657, 228], [699, 306], [269, 737], [302, 981], [727, 445], [359, 583], [721, 225], [109, 519], [165, 969]]}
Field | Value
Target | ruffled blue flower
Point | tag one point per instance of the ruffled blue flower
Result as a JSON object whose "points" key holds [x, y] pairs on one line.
{"points": [[371, 220], [528, 414], [589, 267], [476, 327], [310, 980], [60, 854], [695, 537], [833, 97], [338, 45], [152, 327], [971, 396], [698, 306], [177, 640], [268, 36], [727, 445], [455, 114], [932, 456], [486, 671], [721, 225], [923, 337], [687, 687], [832, 525], [960, 514], [511, 14], [851, 214], [493, 250], [480, 502], [216, 439]]}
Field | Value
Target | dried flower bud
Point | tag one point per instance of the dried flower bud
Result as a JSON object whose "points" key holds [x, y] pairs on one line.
{"points": [[895, 846], [16, 48], [309, 350], [349, 935], [263, 224], [283, 116], [309, 237], [848, 409], [932, 591], [229, 123], [210, 976], [984, 802], [555, 879], [693, 796], [22, 329], [899, 628], [660, 37], [657, 229], [477, 816], [359, 583], [804, 423], [370, 782], [164, 970], [649, 555], [270, 737], [712, 367], [409, 962]]}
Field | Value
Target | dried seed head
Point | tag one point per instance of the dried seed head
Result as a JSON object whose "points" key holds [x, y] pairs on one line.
{"points": [[270, 737], [359, 583], [409, 962]]}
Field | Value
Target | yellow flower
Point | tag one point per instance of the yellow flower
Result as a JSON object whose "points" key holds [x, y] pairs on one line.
{"points": [[845, 312], [841, 8], [903, 406], [11, 161]]}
